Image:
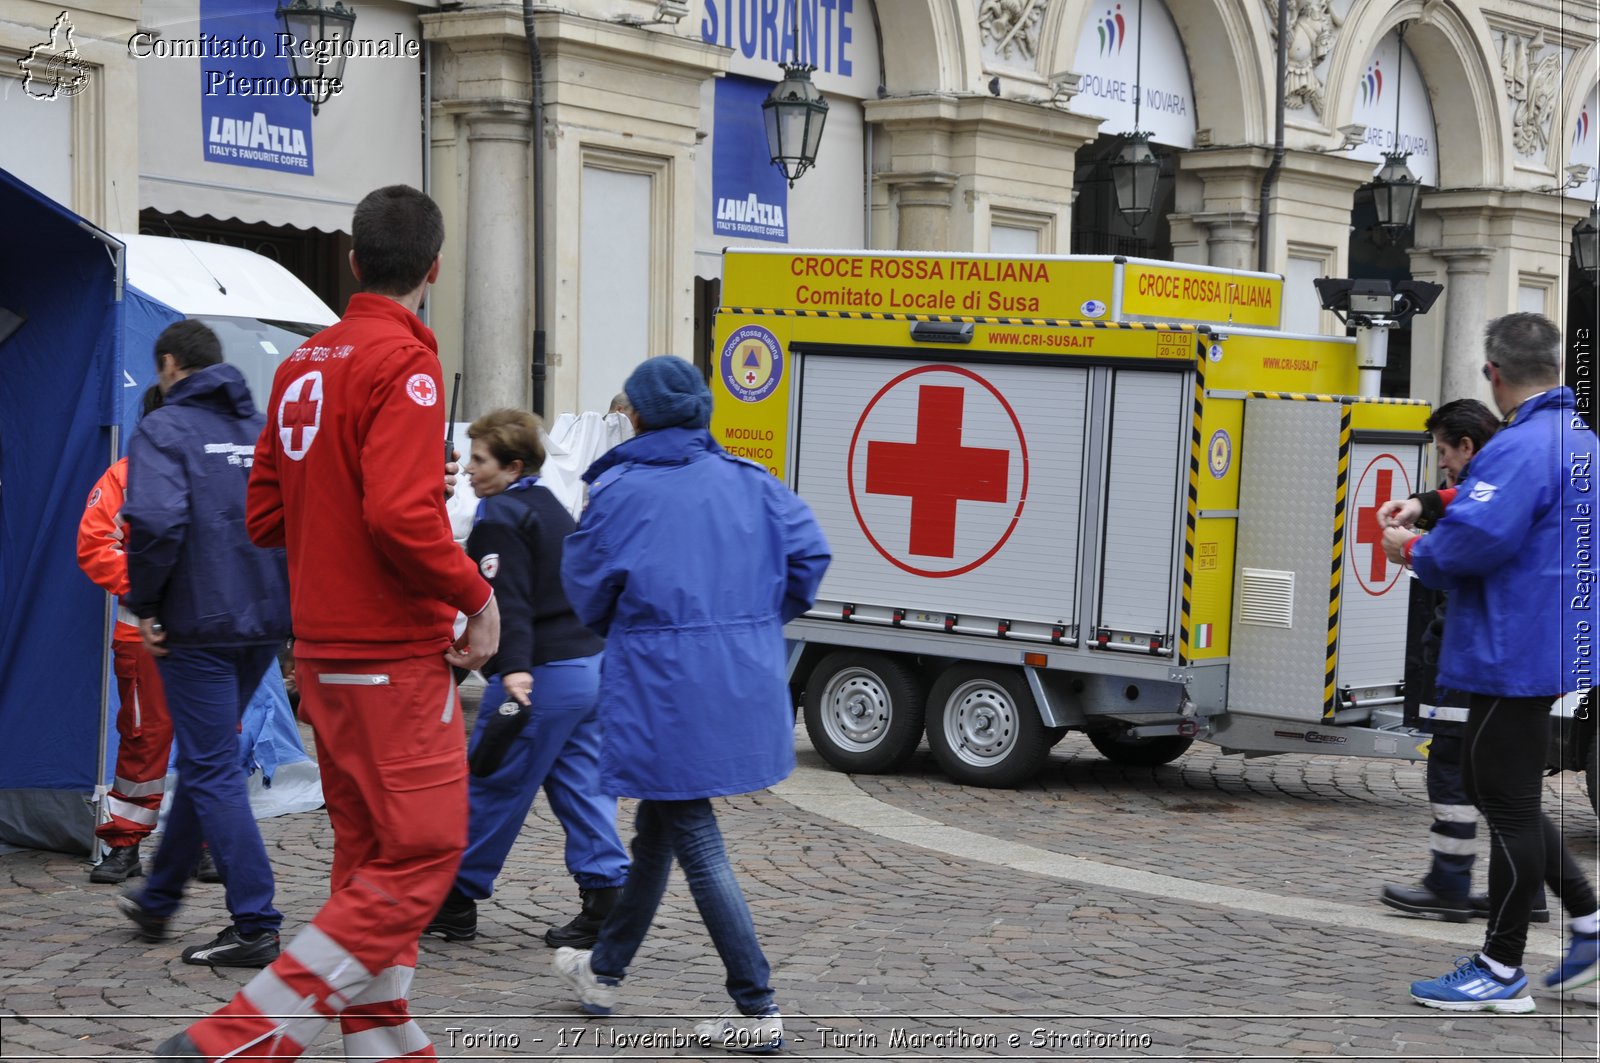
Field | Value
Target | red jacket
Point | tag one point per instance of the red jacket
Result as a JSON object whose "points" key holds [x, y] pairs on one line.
{"points": [[102, 549], [349, 476]]}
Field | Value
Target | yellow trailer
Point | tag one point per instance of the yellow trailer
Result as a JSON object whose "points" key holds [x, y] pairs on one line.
{"points": [[1067, 493]]}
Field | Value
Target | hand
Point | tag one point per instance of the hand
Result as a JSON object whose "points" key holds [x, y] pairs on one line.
{"points": [[154, 635], [518, 686], [479, 641], [452, 469], [1394, 543], [1399, 513]]}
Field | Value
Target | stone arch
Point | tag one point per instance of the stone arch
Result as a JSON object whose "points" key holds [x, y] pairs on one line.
{"points": [[1575, 91], [929, 46], [1228, 48], [1454, 52]]}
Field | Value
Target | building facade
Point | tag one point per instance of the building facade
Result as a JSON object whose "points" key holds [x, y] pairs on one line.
{"points": [[584, 231]]}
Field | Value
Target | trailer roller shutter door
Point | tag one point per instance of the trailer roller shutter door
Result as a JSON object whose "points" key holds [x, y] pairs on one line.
{"points": [[1140, 543]]}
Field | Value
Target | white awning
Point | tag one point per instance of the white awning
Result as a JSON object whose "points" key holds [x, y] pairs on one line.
{"points": [[368, 136]]}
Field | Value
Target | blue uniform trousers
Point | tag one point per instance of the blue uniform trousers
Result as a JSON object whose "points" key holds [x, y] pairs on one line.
{"points": [[208, 689], [559, 749]]}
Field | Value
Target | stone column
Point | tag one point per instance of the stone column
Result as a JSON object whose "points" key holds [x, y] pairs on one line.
{"points": [[1466, 311], [1230, 238], [947, 166], [496, 352], [923, 204]]}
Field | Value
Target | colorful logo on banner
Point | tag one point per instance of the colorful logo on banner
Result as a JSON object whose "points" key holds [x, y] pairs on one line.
{"points": [[1581, 132], [750, 198], [1113, 29], [251, 114], [1372, 85]]}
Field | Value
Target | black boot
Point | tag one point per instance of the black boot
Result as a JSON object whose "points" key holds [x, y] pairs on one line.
{"points": [[119, 865], [456, 919], [584, 930]]}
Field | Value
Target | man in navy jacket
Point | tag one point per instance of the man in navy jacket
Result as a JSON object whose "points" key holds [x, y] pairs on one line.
{"points": [[214, 608], [1515, 550]]}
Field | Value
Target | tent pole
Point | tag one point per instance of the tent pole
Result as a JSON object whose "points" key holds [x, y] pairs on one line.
{"points": [[108, 620]]}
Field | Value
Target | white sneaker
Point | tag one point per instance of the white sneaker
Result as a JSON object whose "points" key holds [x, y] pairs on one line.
{"points": [[758, 1034], [594, 996]]}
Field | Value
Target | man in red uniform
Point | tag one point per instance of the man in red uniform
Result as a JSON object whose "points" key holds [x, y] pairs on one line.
{"points": [[347, 477], [144, 730]]}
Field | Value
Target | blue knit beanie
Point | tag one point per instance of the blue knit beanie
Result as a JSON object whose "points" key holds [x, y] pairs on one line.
{"points": [[667, 392]]}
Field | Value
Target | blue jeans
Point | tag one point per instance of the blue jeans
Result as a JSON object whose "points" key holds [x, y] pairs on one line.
{"points": [[207, 691], [559, 749], [686, 830]]}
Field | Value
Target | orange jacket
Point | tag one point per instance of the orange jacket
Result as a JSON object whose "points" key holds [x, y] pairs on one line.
{"points": [[101, 553]]}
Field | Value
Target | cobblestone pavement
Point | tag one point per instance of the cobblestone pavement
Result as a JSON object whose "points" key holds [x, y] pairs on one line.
{"points": [[1213, 909]]}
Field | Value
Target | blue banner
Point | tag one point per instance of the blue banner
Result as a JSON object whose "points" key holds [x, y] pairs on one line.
{"points": [[749, 193], [251, 113]]}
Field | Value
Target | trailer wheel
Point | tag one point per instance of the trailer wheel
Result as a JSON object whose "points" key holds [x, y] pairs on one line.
{"points": [[863, 711], [1119, 748], [984, 728]]}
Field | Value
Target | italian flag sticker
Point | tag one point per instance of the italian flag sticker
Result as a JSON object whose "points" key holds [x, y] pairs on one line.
{"points": [[1202, 636]]}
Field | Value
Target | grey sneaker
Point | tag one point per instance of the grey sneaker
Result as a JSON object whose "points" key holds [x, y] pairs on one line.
{"points": [[755, 1034], [151, 927], [594, 996]]}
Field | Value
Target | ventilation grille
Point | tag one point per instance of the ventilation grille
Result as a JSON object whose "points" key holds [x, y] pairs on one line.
{"points": [[1266, 597]]}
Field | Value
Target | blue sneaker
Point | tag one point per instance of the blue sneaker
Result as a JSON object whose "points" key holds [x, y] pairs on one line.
{"points": [[1473, 987], [1580, 966]]}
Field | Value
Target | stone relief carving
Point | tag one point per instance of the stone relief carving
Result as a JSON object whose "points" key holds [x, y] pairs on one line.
{"points": [[1532, 82], [1313, 30], [1011, 25]]}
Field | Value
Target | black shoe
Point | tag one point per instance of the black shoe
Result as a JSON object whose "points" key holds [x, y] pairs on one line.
{"points": [[1420, 900], [178, 1047], [456, 919], [584, 929], [230, 948], [151, 927], [119, 865], [207, 870], [1480, 909]]}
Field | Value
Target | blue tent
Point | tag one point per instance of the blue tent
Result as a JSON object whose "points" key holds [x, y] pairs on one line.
{"points": [[64, 402]]}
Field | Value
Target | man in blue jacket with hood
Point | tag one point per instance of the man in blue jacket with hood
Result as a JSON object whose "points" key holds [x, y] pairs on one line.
{"points": [[688, 561], [214, 608], [1515, 549]]}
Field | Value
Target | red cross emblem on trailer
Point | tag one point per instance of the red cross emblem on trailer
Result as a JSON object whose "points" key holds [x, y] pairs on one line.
{"points": [[938, 471], [1383, 479], [300, 414]]}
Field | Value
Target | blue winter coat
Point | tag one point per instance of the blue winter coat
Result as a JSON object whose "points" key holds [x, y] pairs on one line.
{"points": [[1517, 550], [191, 564], [689, 561]]}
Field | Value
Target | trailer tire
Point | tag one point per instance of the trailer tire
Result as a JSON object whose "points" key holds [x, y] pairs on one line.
{"points": [[1140, 752], [864, 711], [984, 728]]}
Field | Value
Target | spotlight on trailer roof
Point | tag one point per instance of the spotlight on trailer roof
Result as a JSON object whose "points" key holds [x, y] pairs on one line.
{"points": [[1364, 301]]}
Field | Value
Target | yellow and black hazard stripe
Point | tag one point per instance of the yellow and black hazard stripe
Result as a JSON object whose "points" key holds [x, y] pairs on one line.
{"points": [[1294, 396], [1335, 582], [1375, 400], [1191, 511], [873, 315]]}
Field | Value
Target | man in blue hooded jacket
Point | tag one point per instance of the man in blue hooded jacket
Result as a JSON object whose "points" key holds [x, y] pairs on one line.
{"points": [[214, 609], [688, 561], [1514, 548]]}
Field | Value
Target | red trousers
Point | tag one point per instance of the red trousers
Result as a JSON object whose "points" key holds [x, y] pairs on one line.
{"points": [[144, 742], [391, 749]]}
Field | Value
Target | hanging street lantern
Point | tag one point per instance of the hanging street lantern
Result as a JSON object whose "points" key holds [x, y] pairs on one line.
{"points": [[1586, 242], [1134, 173], [1395, 191], [794, 113], [317, 33]]}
